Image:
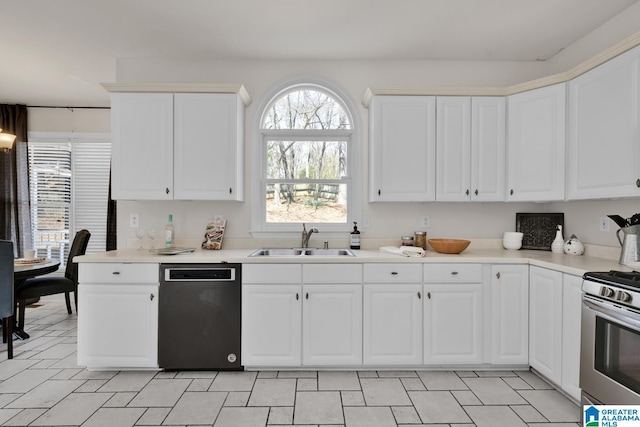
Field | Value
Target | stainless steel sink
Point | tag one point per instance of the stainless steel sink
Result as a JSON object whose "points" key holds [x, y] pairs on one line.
{"points": [[278, 252], [299, 252], [328, 252]]}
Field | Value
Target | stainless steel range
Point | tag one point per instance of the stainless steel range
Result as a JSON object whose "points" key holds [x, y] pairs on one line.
{"points": [[610, 338]]}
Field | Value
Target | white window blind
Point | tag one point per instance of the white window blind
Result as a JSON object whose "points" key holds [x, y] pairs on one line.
{"points": [[69, 183]]}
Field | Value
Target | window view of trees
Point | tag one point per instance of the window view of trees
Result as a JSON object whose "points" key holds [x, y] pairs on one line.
{"points": [[306, 158]]}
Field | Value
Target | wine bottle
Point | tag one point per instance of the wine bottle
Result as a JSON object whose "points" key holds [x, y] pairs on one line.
{"points": [[169, 233]]}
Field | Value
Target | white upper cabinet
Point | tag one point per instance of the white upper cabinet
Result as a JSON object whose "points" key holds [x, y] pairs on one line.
{"points": [[470, 147], [402, 149], [208, 146], [181, 146], [142, 146], [536, 144], [603, 138]]}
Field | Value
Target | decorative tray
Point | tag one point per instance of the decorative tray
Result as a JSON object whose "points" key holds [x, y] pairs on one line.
{"points": [[25, 261], [539, 229]]}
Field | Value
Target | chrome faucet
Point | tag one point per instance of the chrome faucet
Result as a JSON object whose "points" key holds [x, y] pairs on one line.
{"points": [[306, 235]]}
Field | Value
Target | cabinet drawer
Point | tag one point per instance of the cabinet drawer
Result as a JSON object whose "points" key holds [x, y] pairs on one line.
{"points": [[393, 273], [453, 273], [332, 273], [118, 273], [271, 273]]}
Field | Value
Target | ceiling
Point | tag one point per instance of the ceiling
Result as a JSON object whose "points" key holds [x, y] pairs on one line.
{"points": [[56, 53]]}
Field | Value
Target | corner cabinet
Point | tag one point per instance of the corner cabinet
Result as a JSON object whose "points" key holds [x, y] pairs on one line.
{"points": [[470, 147], [118, 319], [603, 139], [178, 145], [402, 149], [536, 145]]}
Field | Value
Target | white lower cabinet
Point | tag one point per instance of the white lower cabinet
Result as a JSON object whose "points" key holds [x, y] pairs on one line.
{"points": [[510, 314], [271, 325], [332, 324], [571, 319], [118, 319], [392, 329], [453, 314], [545, 322]]}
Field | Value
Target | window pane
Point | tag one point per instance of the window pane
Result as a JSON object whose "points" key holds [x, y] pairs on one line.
{"points": [[306, 159], [306, 109], [315, 203]]}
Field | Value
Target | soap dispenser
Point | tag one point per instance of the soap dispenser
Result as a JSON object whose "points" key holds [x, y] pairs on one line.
{"points": [[355, 237]]}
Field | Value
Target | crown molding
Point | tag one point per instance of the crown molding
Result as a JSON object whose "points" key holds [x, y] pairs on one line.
{"points": [[180, 88], [591, 63]]}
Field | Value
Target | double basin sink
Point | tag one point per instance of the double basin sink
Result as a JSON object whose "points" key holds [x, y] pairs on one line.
{"points": [[300, 252]]}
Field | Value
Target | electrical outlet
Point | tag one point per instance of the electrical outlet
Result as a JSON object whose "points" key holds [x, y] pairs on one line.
{"points": [[425, 221], [134, 220], [603, 223], [366, 221]]}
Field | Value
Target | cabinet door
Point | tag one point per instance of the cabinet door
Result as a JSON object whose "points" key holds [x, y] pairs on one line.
{"points": [[545, 322], [392, 329], [510, 314], [142, 146], [118, 325], [332, 325], [453, 324], [571, 317], [402, 149], [603, 141], [453, 148], [208, 146], [536, 144], [271, 325], [488, 129]]}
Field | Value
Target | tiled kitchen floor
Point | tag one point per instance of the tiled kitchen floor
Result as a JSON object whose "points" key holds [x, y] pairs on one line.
{"points": [[43, 386]]}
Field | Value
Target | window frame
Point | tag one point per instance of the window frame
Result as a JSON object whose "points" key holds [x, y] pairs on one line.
{"points": [[259, 226], [72, 139]]}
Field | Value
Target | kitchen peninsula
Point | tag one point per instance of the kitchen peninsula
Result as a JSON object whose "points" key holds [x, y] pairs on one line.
{"points": [[484, 308]]}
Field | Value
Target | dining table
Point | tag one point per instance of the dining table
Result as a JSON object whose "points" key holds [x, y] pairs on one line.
{"points": [[24, 269]]}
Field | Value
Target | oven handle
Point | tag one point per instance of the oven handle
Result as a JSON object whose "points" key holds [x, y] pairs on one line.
{"points": [[612, 313]]}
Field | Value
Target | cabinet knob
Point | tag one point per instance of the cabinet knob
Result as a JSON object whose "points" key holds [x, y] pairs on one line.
{"points": [[166, 190], [454, 273], [429, 295], [306, 296], [394, 273], [419, 296], [151, 296], [116, 273], [230, 190], [498, 275], [511, 192], [467, 192], [476, 191], [638, 182], [378, 192], [297, 296]]}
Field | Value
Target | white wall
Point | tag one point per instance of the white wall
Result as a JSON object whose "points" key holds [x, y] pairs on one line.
{"points": [[469, 220]]}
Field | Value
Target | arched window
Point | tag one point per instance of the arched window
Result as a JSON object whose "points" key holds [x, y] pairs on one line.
{"points": [[306, 148]]}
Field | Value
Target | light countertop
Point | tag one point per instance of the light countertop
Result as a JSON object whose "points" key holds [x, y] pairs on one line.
{"points": [[571, 264]]}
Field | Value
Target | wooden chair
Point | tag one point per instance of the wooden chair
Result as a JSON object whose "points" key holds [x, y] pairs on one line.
{"points": [[6, 294]]}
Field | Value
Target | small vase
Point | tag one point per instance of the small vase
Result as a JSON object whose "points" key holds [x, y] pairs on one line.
{"points": [[557, 246]]}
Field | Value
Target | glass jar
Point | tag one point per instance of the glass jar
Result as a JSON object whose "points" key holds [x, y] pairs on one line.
{"points": [[420, 239], [407, 240]]}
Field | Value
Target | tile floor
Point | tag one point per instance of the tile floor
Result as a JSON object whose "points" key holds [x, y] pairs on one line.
{"points": [[43, 386]]}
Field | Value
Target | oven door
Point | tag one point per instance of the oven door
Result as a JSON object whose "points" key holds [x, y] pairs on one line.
{"points": [[610, 352]]}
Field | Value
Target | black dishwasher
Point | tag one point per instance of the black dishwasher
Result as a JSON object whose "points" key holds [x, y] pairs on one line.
{"points": [[199, 316]]}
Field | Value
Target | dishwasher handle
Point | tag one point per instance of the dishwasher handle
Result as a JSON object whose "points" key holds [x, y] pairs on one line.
{"points": [[200, 274]]}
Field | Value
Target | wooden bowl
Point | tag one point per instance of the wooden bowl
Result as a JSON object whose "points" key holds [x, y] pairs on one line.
{"points": [[449, 246]]}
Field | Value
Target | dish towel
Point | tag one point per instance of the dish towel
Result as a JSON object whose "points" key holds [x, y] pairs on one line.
{"points": [[408, 251]]}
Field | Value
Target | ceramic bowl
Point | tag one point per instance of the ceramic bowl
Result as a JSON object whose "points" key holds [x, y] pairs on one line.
{"points": [[511, 244], [449, 246], [512, 235]]}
